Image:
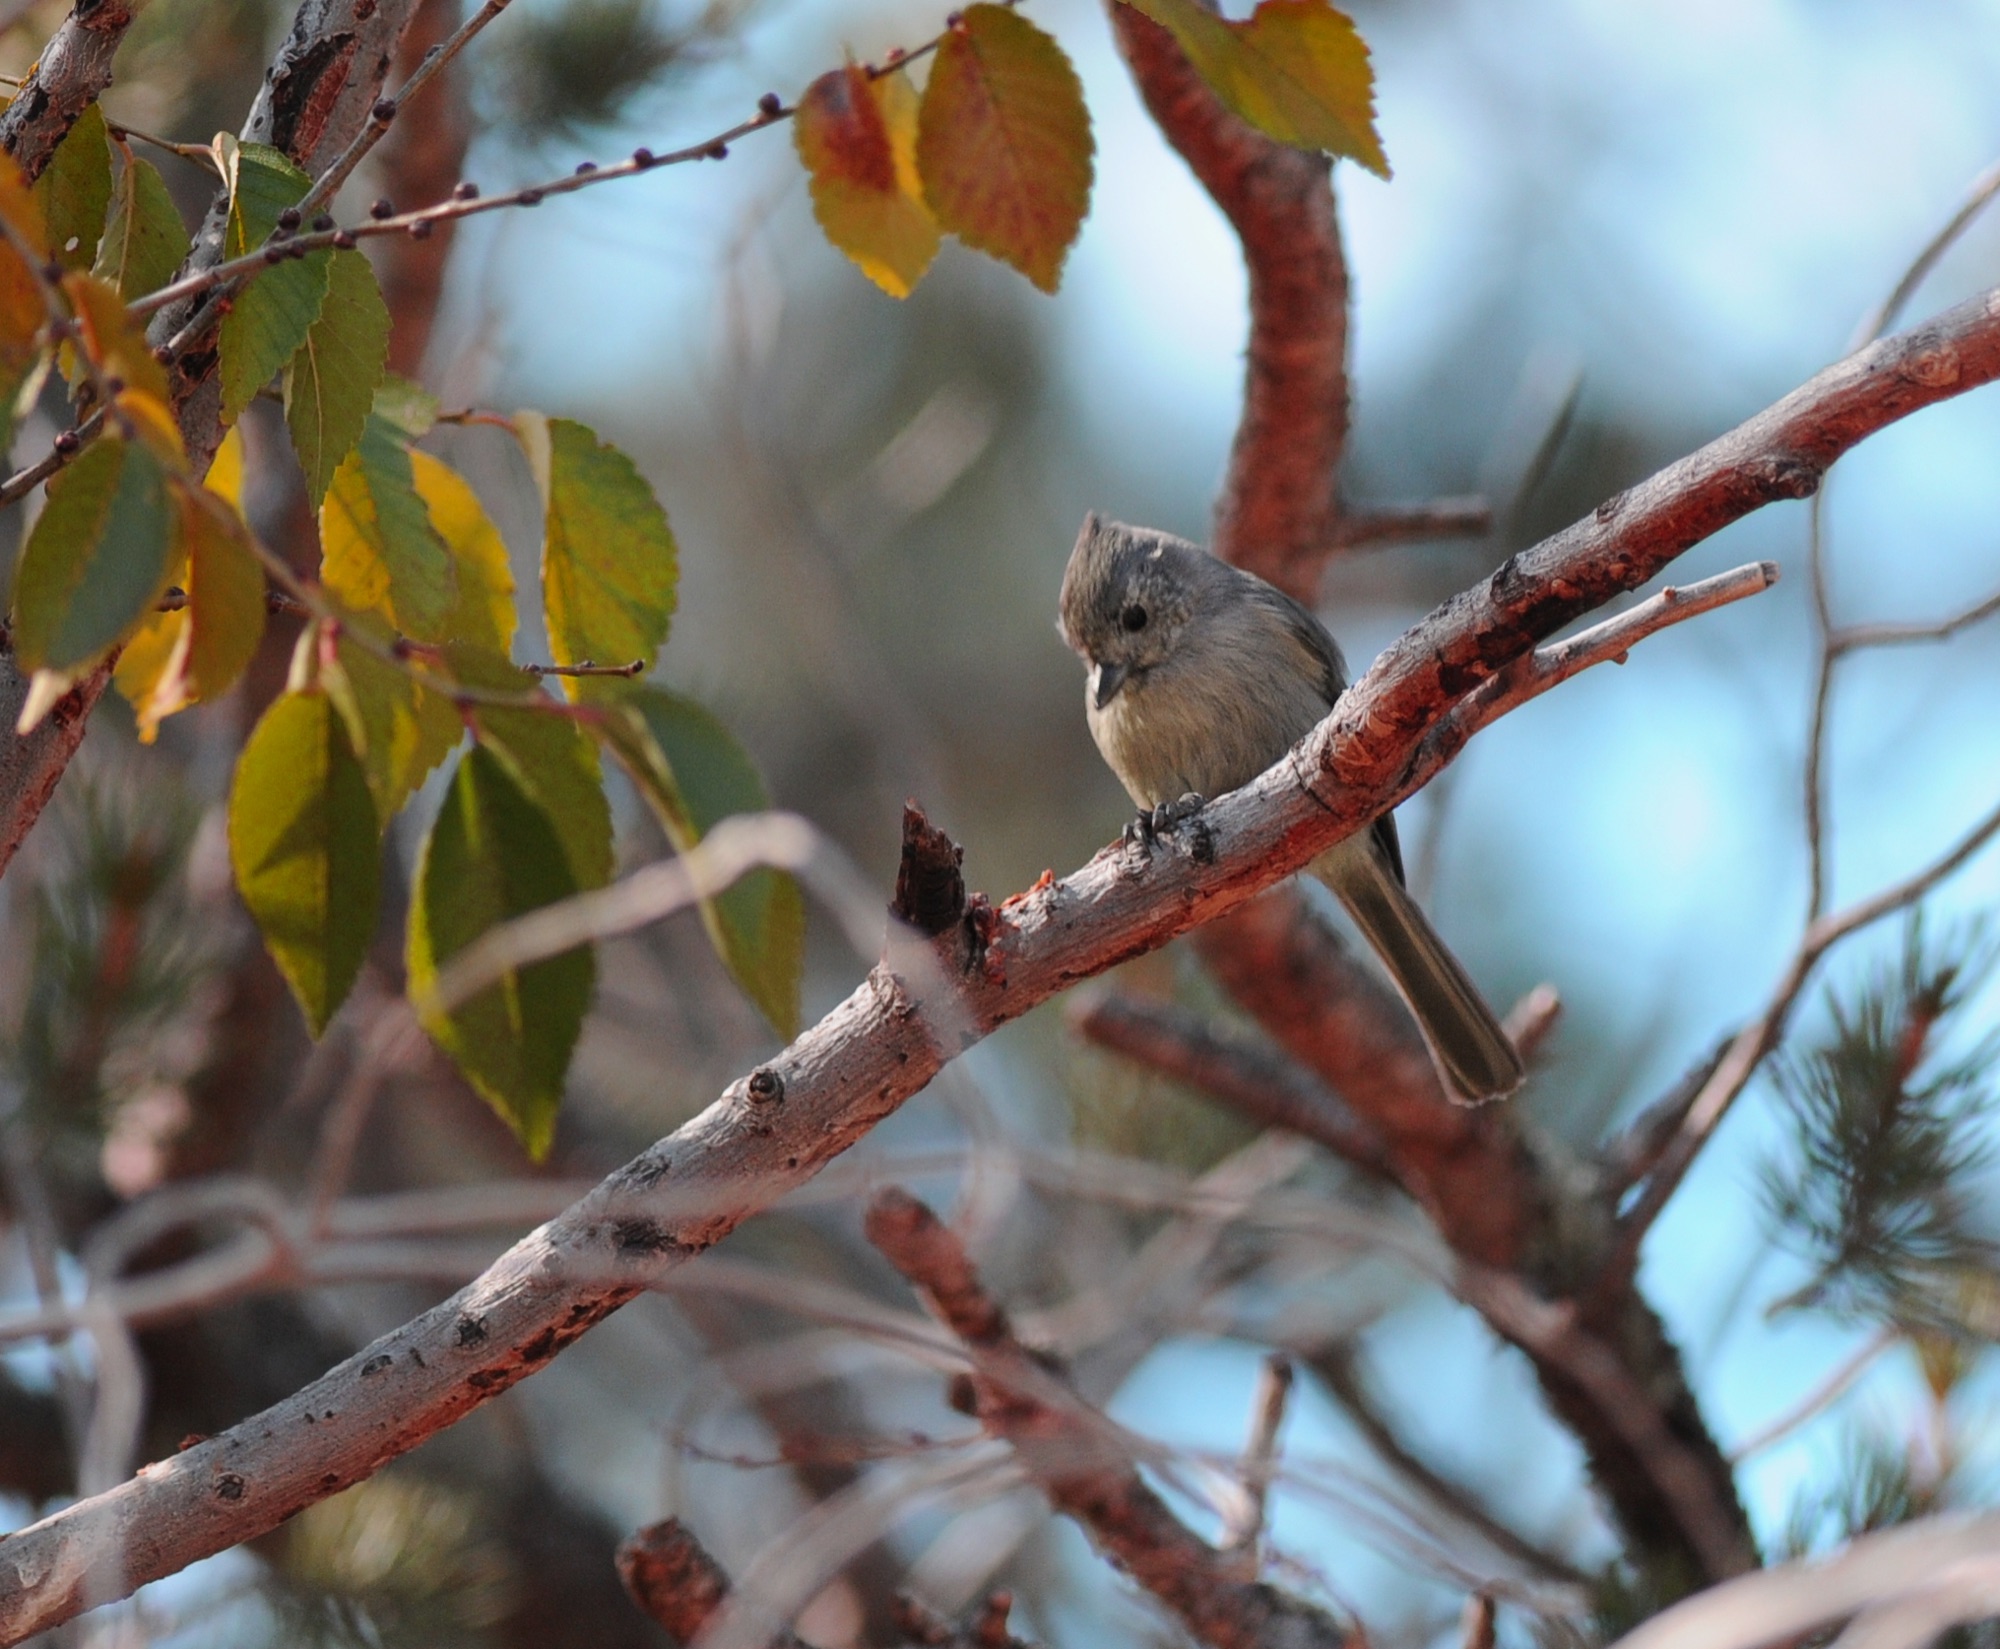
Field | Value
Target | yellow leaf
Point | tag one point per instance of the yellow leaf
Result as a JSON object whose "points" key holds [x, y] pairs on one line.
{"points": [[484, 614], [857, 138], [1297, 70]]}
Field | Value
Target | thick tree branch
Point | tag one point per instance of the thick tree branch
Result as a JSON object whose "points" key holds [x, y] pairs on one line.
{"points": [[1071, 1454], [1279, 513], [72, 71], [777, 1127]]}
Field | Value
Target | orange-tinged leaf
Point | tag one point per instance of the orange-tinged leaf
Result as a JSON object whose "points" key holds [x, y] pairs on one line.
{"points": [[20, 209], [22, 316], [857, 138], [115, 345], [1297, 70], [177, 659], [1004, 144]]}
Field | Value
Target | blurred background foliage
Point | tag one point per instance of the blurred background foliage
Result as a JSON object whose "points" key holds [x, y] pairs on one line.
{"points": [[1637, 224]]}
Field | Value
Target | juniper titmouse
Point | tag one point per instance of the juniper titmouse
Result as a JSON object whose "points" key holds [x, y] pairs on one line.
{"points": [[1201, 677]]}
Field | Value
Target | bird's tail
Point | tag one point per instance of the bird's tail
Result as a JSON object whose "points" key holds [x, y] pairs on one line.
{"points": [[1471, 1051]]}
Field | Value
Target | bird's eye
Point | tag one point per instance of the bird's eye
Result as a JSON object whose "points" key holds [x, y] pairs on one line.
{"points": [[1134, 617]]}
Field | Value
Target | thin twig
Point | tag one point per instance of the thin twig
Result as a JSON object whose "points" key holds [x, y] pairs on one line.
{"points": [[1530, 1020], [1821, 1397], [1387, 525], [1077, 1457], [1746, 1052], [1253, 1078], [1243, 1529]]}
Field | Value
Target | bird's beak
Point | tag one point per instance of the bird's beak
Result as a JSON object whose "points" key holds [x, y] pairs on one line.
{"points": [[1105, 681]]}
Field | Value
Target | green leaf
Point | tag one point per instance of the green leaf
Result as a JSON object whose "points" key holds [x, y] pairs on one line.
{"points": [[553, 761], [399, 730], [493, 855], [378, 549], [609, 570], [74, 190], [694, 773], [330, 384], [180, 658], [410, 407], [1004, 144], [484, 617], [145, 243], [304, 842], [270, 314], [1297, 70], [98, 559], [857, 138]]}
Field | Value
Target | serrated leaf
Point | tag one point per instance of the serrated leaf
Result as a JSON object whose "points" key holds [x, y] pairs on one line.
{"points": [[98, 559], [378, 550], [410, 407], [484, 616], [555, 764], [306, 850], [694, 773], [74, 190], [493, 855], [330, 384], [180, 658], [115, 344], [400, 731], [1296, 69], [271, 314], [609, 568], [857, 139], [1004, 144], [145, 242]]}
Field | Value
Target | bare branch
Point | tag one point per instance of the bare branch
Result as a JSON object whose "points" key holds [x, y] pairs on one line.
{"points": [[1243, 1530], [1279, 513], [1531, 1020], [1927, 1562], [32, 765], [1387, 525], [71, 72], [1073, 1455], [1339, 1369], [1822, 1396], [779, 1126], [1249, 1077], [1746, 1052]]}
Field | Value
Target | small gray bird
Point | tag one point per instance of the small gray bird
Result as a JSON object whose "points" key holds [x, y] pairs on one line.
{"points": [[1201, 677]]}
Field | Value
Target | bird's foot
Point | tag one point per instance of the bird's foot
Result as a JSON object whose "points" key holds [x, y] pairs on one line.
{"points": [[1162, 820]]}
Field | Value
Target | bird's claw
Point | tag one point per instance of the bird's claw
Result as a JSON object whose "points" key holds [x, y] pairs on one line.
{"points": [[1162, 820]]}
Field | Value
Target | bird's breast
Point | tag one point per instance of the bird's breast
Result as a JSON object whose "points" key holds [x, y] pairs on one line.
{"points": [[1170, 731]]}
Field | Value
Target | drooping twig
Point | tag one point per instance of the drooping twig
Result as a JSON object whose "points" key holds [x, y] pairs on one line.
{"points": [[1072, 1454], [772, 1131]]}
